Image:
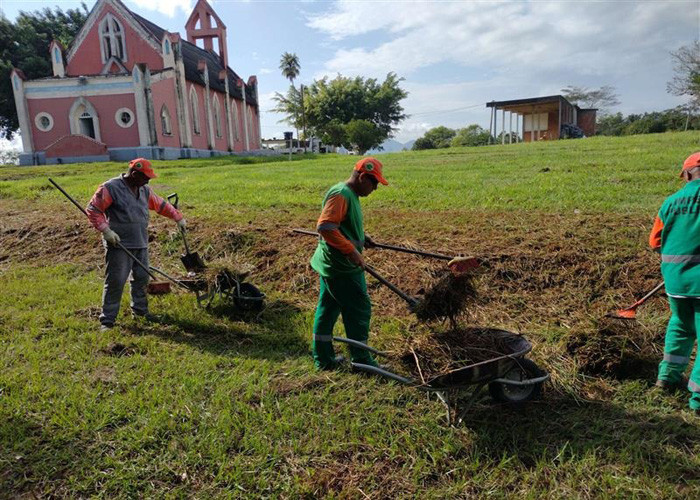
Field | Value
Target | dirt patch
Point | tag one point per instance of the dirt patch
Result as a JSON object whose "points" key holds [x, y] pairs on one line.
{"points": [[286, 386], [620, 349], [121, 350], [90, 312]]}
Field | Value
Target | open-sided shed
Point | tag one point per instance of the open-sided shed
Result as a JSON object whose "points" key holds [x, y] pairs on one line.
{"points": [[540, 118]]}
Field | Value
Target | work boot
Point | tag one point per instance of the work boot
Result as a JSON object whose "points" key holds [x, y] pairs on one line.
{"points": [[668, 386], [106, 328]]}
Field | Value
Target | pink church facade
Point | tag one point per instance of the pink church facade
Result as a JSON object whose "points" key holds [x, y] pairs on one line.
{"points": [[127, 88]]}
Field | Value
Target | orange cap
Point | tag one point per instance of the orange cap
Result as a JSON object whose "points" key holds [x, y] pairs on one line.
{"points": [[371, 166], [691, 162], [144, 166]]}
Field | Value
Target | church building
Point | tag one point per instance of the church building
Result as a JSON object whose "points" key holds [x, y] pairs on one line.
{"points": [[127, 88]]}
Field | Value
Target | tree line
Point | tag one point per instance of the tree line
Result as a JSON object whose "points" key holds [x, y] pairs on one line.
{"points": [[24, 44]]}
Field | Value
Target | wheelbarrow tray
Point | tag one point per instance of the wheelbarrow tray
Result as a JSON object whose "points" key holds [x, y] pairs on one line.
{"points": [[488, 370], [448, 386]]}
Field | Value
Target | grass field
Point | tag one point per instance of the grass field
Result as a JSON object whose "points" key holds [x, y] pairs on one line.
{"points": [[208, 404]]}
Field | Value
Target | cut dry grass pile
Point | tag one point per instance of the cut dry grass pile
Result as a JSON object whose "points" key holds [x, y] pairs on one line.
{"points": [[621, 349], [435, 354], [448, 298]]}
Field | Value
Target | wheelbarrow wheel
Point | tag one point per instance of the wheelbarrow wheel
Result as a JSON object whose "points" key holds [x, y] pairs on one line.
{"points": [[522, 370], [250, 298]]}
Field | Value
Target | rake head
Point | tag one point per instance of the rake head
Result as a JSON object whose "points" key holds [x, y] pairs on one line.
{"points": [[462, 265], [624, 314]]}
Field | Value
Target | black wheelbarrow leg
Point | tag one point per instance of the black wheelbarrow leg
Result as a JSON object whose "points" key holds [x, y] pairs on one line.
{"points": [[472, 399]]}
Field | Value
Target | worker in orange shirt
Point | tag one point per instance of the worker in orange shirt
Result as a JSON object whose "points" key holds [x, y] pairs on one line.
{"points": [[119, 209], [339, 263], [676, 235]]}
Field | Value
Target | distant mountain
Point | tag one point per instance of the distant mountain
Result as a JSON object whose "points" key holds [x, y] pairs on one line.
{"points": [[391, 146]]}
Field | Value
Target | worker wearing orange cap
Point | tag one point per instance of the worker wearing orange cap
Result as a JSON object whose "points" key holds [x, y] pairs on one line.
{"points": [[339, 263], [676, 235], [119, 210]]}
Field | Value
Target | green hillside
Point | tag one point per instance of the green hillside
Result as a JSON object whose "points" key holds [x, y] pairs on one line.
{"points": [[210, 403]]}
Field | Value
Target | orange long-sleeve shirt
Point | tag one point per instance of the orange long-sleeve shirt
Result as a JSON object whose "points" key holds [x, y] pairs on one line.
{"points": [[333, 213], [102, 200]]}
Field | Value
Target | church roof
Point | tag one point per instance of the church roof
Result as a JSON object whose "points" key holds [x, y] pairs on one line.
{"points": [[191, 55]]}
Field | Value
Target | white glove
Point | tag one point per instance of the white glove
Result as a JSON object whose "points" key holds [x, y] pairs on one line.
{"points": [[182, 224], [111, 237]]}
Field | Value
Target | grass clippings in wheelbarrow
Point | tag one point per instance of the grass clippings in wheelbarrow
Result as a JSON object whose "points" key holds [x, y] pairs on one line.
{"points": [[448, 298], [435, 354]]}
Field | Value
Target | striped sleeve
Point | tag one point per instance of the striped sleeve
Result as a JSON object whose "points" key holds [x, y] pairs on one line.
{"points": [[162, 207], [333, 213], [99, 203], [655, 236]]}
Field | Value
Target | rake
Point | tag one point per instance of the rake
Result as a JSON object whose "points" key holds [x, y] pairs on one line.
{"points": [[631, 311], [457, 265]]}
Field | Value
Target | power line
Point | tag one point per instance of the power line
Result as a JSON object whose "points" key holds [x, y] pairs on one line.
{"points": [[446, 110]]}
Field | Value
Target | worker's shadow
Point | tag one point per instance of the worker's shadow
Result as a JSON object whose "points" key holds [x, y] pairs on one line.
{"points": [[556, 430], [269, 333]]}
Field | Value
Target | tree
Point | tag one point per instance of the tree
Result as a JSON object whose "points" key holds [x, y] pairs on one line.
{"points": [[686, 78], [290, 106], [289, 65], [435, 138], [24, 44], [363, 135], [472, 135], [602, 98], [332, 105]]}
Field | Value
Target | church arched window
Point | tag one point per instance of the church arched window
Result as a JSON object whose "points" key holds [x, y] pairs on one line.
{"points": [[195, 110], [112, 39], [165, 121]]}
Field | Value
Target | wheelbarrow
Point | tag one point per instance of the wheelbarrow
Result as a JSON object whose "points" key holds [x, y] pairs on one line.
{"points": [[510, 377]]}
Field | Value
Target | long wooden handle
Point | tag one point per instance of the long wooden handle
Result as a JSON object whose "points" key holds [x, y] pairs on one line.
{"points": [[411, 301], [389, 247], [647, 296], [119, 245]]}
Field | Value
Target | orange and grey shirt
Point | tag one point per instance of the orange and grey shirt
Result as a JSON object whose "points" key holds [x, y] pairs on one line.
{"points": [[342, 232], [676, 235], [115, 205]]}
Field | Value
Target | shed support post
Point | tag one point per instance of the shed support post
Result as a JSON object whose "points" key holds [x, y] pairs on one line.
{"points": [[503, 126]]}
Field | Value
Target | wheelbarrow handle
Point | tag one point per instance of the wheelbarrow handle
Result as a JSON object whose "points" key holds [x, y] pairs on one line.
{"points": [[411, 301]]}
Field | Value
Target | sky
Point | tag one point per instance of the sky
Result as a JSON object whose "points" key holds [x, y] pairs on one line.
{"points": [[454, 56]]}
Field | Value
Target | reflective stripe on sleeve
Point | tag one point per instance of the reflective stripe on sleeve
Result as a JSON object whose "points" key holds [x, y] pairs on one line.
{"points": [[680, 259], [693, 386], [323, 338], [327, 226]]}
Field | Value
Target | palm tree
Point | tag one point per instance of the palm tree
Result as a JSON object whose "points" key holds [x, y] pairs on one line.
{"points": [[289, 64]]}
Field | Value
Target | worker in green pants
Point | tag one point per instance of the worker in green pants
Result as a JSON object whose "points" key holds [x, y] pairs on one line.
{"points": [[339, 263], [676, 235]]}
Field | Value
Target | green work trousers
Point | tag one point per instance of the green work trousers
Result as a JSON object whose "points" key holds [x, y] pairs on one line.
{"points": [[681, 334], [346, 295]]}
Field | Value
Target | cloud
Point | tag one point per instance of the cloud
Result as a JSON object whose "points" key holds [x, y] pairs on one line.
{"points": [[167, 7], [264, 71], [585, 37], [458, 54]]}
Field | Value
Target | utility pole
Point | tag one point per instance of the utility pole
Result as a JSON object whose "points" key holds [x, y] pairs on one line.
{"points": [[303, 115]]}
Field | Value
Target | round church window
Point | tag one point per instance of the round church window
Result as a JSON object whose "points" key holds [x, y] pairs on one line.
{"points": [[124, 117], [43, 121]]}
